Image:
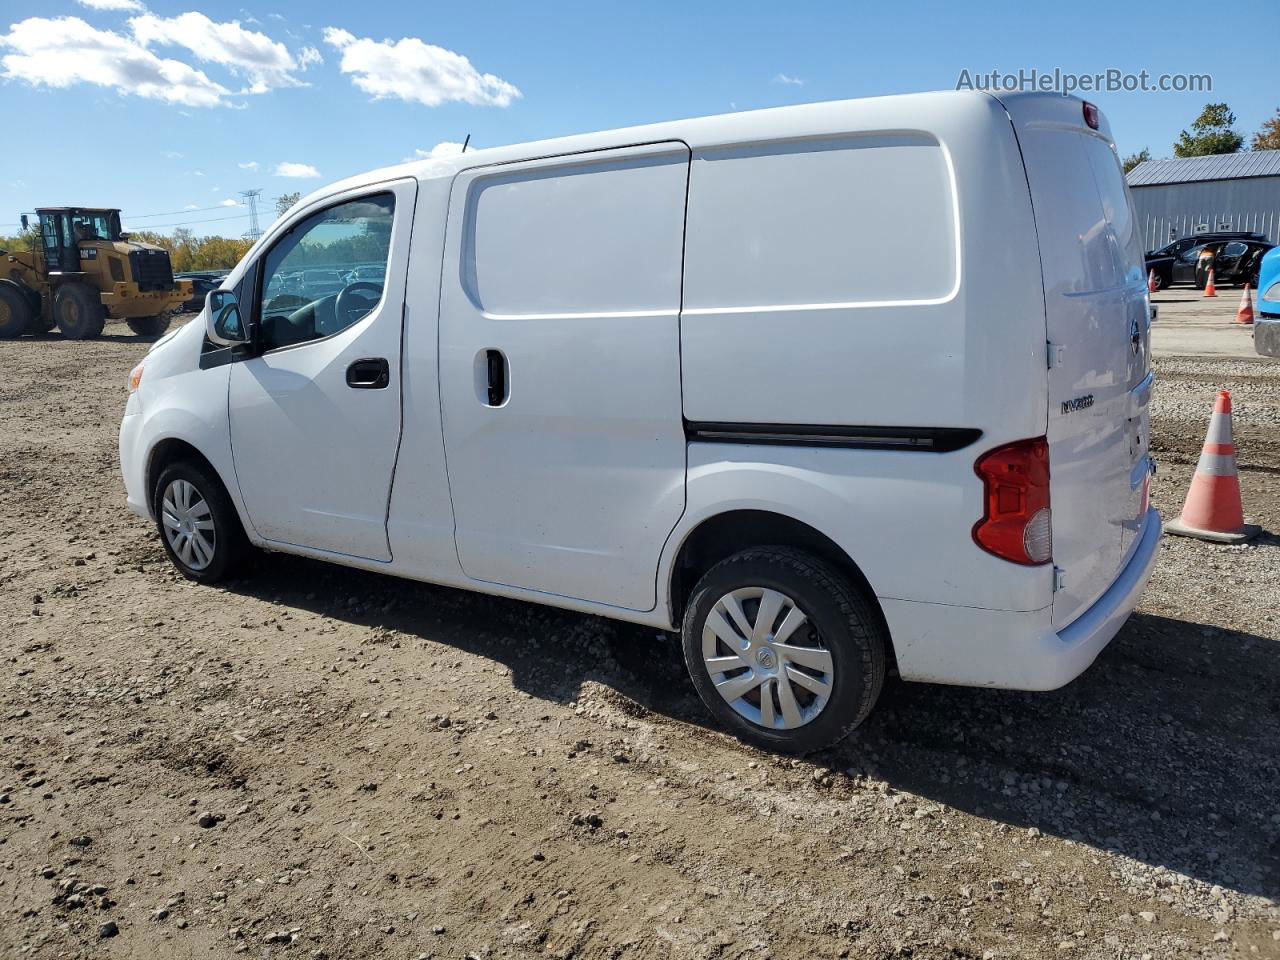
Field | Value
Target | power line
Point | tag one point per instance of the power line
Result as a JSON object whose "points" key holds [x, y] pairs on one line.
{"points": [[188, 223], [144, 216], [174, 213]]}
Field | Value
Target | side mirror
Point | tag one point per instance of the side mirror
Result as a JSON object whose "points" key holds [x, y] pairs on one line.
{"points": [[224, 324]]}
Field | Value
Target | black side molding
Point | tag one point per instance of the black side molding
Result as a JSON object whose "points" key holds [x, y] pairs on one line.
{"points": [[923, 439]]}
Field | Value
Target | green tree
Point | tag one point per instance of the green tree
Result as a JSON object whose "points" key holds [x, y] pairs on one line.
{"points": [[285, 201], [24, 241], [1268, 137], [189, 252], [1210, 133], [1142, 156]]}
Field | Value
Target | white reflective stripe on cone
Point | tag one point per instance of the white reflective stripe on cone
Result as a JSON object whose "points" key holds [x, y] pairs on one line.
{"points": [[1219, 428], [1217, 464]]}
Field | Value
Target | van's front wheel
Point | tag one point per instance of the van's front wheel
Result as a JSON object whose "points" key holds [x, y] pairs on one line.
{"points": [[198, 523], [783, 650]]}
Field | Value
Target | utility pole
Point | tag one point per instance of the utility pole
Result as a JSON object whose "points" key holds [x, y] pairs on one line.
{"points": [[252, 197]]}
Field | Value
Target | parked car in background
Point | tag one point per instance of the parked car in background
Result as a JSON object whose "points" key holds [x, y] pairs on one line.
{"points": [[1233, 261], [201, 284], [1183, 244], [1235, 258], [1266, 324]]}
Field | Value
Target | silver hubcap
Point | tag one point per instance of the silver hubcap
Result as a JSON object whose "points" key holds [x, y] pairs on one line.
{"points": [[188, 524], [765, 658]]}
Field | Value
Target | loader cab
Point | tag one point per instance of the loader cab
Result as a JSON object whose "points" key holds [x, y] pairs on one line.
{"points": [[65, 230]]}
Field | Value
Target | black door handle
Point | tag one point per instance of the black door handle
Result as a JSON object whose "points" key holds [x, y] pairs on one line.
{"points": [[371, 373], [496, 369]]}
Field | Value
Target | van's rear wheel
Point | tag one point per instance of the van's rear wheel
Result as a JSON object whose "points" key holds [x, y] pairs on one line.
{"points": [[15, 312], [198, 523], [783, 650], [77, 308], [149, 326]]}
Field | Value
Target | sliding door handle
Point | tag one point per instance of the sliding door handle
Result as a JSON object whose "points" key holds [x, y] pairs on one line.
{"points": [[496, 377], [370, 373]]}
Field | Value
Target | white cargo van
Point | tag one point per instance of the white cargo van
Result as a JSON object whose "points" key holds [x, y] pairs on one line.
{"points": [[826, 388]]}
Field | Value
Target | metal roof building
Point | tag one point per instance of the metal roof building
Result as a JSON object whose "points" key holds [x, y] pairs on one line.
{"points": [[1231, 191]]}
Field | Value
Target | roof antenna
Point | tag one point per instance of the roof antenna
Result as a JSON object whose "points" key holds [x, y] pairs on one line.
{"points": [[464, 144]]}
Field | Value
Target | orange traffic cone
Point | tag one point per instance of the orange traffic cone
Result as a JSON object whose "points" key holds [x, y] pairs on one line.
{"points": [[1209, 289], [1245, 313], [1152, 284], [1213, 510]]}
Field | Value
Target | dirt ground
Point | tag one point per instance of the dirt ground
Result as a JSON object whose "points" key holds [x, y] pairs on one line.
{"points": [[316, 762]]}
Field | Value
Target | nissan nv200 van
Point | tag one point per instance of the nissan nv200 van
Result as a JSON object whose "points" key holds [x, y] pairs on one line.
{"points": [[830, 389]]}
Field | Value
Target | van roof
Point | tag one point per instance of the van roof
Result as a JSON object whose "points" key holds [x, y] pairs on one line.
{"points": [[912, 111]]}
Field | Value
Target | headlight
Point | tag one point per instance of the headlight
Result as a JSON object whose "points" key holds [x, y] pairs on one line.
{"points": [[135, 378]]}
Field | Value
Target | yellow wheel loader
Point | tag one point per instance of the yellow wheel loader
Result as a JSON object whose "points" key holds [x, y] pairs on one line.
{"points": [[81, 270]]}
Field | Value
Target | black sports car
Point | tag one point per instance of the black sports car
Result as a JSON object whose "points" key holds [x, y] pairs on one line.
{"points": [[1234, 257]]}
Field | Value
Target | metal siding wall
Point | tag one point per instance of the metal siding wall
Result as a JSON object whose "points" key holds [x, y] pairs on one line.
{"points": [[1249, 204]]}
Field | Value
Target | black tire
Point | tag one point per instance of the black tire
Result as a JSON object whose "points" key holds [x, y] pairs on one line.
{"points": [[840, 620], [230, 546], [78, 311], [1160, 282], [149, 326], [15, 312]]}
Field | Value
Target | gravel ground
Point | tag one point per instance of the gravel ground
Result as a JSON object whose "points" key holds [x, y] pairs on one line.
{"points": [[317, 762]]}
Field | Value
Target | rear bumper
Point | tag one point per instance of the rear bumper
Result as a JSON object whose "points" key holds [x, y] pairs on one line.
{"points": [[1079, 644], [1013, 650]]}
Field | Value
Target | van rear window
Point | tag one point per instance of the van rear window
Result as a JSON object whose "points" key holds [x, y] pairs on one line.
{"points": [[858, 219], [1117, 207]]}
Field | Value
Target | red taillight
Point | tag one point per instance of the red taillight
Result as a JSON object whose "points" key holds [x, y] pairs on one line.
{"points": [[1091, 115], [1017, 524]]}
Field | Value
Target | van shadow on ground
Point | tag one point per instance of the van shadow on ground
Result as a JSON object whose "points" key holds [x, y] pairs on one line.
{"points": [[1164, 751]]}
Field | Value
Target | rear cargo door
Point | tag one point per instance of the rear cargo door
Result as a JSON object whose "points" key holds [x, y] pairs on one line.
{"points": [[1097, 324]]}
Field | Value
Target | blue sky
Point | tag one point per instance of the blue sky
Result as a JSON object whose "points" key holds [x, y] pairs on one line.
{"points": [[173, 107]]}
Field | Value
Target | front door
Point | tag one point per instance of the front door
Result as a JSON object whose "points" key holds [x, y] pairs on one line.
{"points": [[560, 370], [315, 418]]}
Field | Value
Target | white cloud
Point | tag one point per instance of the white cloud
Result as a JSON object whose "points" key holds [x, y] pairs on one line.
{"points": [[249, 165], [62, 52], [190, 206], [412, 70], [230, 203], [111, 4], [309, 57], [304, 170], [197, 173], [265, 62], [788, 81], [447, 148], [174, 154]]}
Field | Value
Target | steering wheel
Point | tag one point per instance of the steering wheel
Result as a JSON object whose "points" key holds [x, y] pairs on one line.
{"points": [[344, 307]]}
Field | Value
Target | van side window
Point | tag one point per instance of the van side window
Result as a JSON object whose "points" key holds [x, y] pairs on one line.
{"points": [[327, 272], [585, 238], [868, 218]]}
